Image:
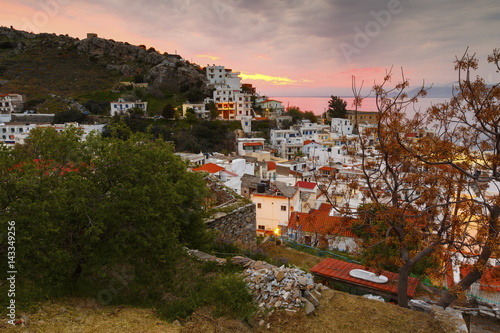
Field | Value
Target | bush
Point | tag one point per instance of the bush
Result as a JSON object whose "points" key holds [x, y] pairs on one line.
{"points": [[8, 45], [69, 116], [231, 297]]}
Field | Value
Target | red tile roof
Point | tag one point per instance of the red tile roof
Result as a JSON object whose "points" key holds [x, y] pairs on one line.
{"points": [[307, 185], [209, 167], [339, 270], [324, 209], [270, 100], [249, 144], [310, 141], [323, 224], [490, 281], [325, 168], [271, 166]]}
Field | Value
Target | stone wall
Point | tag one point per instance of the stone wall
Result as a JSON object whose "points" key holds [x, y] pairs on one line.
{"points": [[32, 118], [238, 226]]}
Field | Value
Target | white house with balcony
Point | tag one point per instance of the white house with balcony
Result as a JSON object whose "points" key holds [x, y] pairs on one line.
{"points": [[341, 126], [310, 131], [250, 145], [269, 105], [121, 106], [243, 104], [10, 103]]}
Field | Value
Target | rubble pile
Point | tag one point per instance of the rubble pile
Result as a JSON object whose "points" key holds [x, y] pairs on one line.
{"points": [[281, 287]]}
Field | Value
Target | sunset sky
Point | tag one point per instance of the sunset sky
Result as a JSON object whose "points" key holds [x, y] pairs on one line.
{"points": [[287, 47]]}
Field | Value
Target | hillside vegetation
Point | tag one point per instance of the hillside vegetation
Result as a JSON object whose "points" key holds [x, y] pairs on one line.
{"points": [[53, 71]]}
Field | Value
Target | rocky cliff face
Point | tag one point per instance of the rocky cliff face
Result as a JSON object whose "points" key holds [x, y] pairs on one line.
{"points": [[163, 68], [124, 51]]}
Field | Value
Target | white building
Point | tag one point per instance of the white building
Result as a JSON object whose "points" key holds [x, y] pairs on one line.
{"points": [[341, 126], [269, 105], [291, 148], [15, 132], [310, 131], [11, 103], [250, 145], [278, 136], [219, 75], [274, 206], [199, 110], [243, 104], [246, 124], [121, 106]]}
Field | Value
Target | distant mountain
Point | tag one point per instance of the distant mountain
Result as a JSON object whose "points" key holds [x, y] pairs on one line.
{"points": [[435, 91]]}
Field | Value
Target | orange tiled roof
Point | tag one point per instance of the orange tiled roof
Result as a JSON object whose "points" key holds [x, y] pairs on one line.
{"points": [[209, 167], [325, 168], [323, 224], [490, 281], [249, 144], [271, 166], [339, 270], [324, 209], [270, 100], [308, 185]]}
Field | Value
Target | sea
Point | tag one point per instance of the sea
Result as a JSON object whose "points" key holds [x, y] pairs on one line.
{"points": [[318, 105]]}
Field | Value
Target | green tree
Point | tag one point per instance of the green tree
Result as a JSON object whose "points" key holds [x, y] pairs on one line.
{"points": [[191, 116], [168, 111], [213, 109], [295, 113], [83, 207], [310, 116], [69, 116], [336, 107]]}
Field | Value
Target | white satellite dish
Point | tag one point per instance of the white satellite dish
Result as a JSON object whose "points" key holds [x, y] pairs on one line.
{"points": [[368, 276]]}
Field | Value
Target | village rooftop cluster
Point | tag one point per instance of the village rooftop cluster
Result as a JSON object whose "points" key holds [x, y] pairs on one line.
{"points": [[288, 176]]}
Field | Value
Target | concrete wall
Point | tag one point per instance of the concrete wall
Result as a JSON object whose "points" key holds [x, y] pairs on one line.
{"points": [[237, 227]]}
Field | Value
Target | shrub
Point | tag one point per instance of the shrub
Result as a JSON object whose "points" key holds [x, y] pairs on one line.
{"points": [[231, 297]]}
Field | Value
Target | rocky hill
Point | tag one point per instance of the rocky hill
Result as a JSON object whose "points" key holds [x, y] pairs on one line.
{"points": [[49, 68]]}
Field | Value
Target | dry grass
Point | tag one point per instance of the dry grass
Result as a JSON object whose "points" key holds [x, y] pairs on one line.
{"points": [[298, 258], [77, 315], [342, 313], [349, 313]]}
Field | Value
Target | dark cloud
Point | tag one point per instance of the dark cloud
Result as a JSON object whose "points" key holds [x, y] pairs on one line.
{"points": [[308, 38]]}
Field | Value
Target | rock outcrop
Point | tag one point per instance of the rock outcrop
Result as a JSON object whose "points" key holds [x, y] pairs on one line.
{"points": [[125, 51]]}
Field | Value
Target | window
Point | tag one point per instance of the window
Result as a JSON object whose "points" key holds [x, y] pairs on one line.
{"points": [[283, 208], [261, 227], [259, 205]]}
